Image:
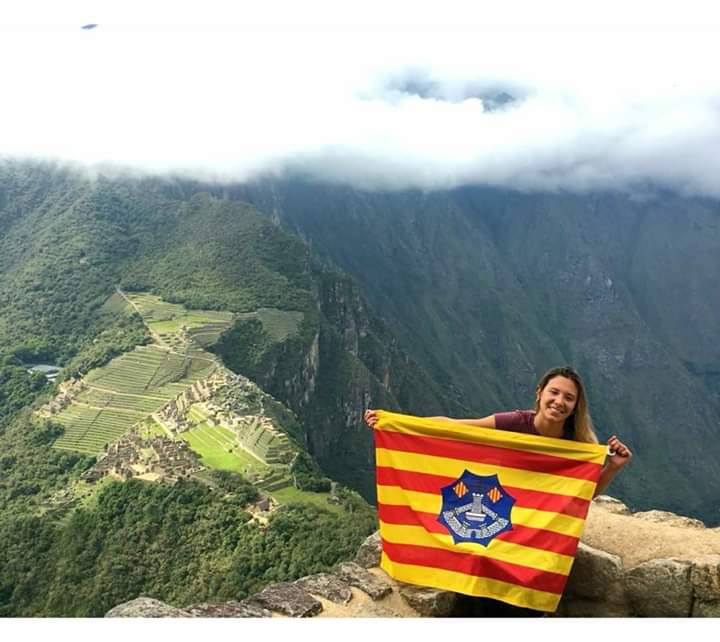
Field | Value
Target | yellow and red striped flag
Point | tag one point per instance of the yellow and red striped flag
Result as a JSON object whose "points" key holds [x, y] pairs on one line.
{"points": [[479, 511]]}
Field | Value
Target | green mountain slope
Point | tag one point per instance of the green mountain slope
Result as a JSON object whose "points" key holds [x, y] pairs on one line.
{"points": [[303, 332], [490, 288], [66, 244]]}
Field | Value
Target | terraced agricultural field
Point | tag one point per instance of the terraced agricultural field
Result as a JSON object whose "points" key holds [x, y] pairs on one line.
{"points": [[87, 429], [279, 324], [125, 391], [174, 326]]}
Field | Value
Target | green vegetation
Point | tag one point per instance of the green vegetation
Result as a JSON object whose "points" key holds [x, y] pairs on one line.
{"points": [[30, 471], [66, 244], [218, 448], [17, 386], [183, 544]]}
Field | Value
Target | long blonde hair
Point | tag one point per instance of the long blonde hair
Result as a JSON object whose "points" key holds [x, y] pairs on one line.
{"points": [[578, 425]]}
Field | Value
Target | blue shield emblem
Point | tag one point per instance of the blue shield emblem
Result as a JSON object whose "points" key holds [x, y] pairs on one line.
{"points": [[476, 508]]}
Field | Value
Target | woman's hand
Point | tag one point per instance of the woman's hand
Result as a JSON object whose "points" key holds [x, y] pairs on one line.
{"points": [[371, 418], [621, 453]]}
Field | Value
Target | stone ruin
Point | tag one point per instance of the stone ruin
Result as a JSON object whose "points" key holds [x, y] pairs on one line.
{"points": [[170, 460], [67, 392], [236, 403]]}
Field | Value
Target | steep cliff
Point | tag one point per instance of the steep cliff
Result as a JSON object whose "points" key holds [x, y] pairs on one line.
{"points": [[488, 288]]}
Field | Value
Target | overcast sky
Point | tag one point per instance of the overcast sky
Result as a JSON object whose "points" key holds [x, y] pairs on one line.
{"points": [[524, 95]]}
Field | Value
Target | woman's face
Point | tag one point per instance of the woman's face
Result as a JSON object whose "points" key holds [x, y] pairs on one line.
{"points": [[558, 399]]}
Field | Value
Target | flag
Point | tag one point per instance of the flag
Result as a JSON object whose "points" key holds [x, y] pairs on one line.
{"points": [[480, 511]]}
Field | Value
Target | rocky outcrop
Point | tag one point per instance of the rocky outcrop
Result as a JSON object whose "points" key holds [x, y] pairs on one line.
{"points": [[288, 599], [628, 565], [594, 586], [328, 586], [429, 602], [228, 609], [645, 564], [665, 517], [369, 553], [146, 607], [660, 588]]}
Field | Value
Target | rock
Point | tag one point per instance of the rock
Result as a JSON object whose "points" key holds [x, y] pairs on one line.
{"points": [[327, 586], [660, 588], [228, 609], [370, 551], [578, 607], [671, 519], [357, 576], [429, 602], [705, 578], [595, 575], [611, 505], [373, 610], [286, 598], [701, 608], [146, 607]]}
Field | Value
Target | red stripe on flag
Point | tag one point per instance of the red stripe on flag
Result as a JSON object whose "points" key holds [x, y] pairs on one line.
{"points": [[524, 535], [475, 565], [525, 498], [492, 455]]}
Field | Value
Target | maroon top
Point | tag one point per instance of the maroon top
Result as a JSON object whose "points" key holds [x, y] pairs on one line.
{"points": [[522, 421], [516, 421]]}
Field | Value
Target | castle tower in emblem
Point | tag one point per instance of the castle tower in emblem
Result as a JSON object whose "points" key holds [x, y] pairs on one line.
{"points": [[476, 508]]}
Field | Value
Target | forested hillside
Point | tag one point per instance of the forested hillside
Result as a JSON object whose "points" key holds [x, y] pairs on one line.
{"points": [[67, 242], [489, 288]]}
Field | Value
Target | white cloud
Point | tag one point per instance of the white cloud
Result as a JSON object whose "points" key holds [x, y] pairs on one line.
{"points": [[599, 104]]}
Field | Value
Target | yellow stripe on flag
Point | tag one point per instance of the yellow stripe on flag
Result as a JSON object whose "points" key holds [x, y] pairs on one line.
{"points": [[498, 549], [432, 503], [471, 585], [569, 449], [418, 462]]}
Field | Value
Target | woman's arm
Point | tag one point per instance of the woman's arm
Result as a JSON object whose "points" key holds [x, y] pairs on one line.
{"points": [[614, 464], [371, 419], [483, 422]]}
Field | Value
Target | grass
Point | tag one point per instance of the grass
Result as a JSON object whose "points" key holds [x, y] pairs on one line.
{"points": [[212, 445], [279, 324], [290, 494], [116, 304]]}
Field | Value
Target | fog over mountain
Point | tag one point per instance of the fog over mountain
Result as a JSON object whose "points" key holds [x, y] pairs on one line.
{"points": [[416, 101]]}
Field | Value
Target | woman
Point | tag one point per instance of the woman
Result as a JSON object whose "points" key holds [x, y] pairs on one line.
{"points": [[561, 411]]}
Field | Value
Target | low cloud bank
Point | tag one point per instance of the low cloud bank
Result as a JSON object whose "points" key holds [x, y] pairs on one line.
{"points": [[378, 110]]}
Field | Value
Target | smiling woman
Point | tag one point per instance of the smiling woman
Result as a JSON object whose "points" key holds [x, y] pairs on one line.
{"points": [[561, 411]]}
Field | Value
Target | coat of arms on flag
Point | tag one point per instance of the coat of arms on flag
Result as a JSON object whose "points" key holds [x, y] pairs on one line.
{"points": [[481, 511], [475, 509]]}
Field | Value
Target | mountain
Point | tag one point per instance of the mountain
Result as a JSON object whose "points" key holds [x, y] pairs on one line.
{"points": [[123, 284], [489, 288]]}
